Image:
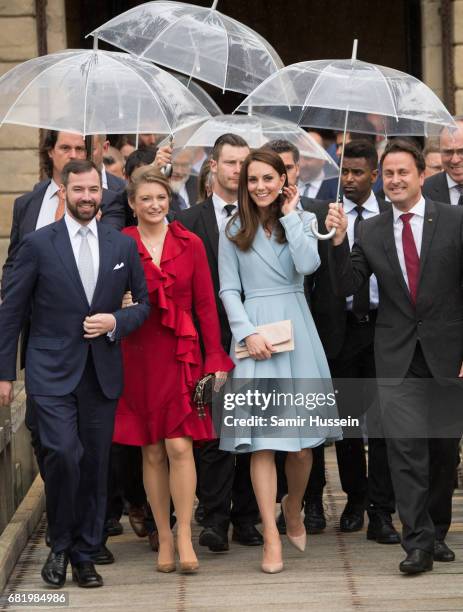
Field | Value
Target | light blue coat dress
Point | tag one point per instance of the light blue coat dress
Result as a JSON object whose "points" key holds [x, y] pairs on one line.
{"points": [[271, 276]]}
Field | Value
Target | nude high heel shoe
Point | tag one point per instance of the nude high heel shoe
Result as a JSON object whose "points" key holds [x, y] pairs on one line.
{"points": [[298, 542], [166, 568], [272, 568]]}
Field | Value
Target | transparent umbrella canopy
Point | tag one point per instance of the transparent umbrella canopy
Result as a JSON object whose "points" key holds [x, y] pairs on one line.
{"points": [[350, 96], [96, 92], [199, 42], [256, 131], [206, 100], [378, 100]]}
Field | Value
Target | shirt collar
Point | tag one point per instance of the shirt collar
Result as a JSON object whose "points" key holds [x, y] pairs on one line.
{"points": [[417, 210], [314, 182], [53, 188], [371, 204], [450, 182], [219, 203], [104, 177], [74, 226]]}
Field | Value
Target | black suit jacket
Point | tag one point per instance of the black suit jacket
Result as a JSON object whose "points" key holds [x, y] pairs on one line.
{"points": [[191, 187], [436, 188], [200, 219], [26, 211], [115, 183], [328, 309], [437, 320]]}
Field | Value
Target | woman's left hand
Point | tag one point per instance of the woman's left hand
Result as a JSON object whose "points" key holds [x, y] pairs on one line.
{"points": [[220, 380], [291, 194]]}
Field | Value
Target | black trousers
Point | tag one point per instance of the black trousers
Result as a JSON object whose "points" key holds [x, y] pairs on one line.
{"points": [[225, 489], [75, 432], [423, 467]]}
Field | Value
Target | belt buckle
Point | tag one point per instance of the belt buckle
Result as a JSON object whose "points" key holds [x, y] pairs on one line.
{"points": [[364, 320]]}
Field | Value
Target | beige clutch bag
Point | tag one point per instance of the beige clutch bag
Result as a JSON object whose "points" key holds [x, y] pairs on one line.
{"points": [[280, 334]]}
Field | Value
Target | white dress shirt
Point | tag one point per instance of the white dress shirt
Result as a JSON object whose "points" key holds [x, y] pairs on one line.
{"points": [[73, 229], [416, 223], [220, 212], [453, 191], [49, 205], [184, 194], [104, 177], [314, 186], [370, 209]]}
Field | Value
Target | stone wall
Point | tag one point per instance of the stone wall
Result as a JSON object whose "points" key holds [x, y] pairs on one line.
{"points": [[19, 168], [431, 45]]}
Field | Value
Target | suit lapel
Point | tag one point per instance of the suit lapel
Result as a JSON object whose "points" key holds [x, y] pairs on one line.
{"points": [[62, 244], [429, 226], [391, 250], [33, 209], [105, 246], [263, 247], [210, 225]]}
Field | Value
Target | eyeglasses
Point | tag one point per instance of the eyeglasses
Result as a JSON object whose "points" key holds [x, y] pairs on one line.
{"points": [[449, 153]]}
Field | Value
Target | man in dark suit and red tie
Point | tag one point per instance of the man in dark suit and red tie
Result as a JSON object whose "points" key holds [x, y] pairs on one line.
{"points": [[73, 273], [415, 250]]}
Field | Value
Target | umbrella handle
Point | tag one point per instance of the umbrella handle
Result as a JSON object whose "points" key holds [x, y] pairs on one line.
{"points": [[317, 234], [167, 170]]}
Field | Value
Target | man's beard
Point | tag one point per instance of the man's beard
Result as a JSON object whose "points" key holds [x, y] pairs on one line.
{"points": [[176, 186]]}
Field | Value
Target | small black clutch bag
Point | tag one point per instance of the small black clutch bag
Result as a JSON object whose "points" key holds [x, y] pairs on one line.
{"points": [[203, 394]]}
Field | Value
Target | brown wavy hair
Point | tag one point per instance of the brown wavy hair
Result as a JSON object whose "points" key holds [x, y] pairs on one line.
{"points": [[248, 213]]}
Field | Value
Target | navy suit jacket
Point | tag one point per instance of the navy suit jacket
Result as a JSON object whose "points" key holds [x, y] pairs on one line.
{"points": [[45, 281], [115, 183], [26, 211]]}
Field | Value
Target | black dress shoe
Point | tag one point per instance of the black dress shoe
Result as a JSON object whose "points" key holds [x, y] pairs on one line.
{"points": [[247, 535], [199, 514], [281, 524], [352, 518], [314, 519], [113, 527], [85, 575], [54, 569], [416, 561], [103, 556], [442, 552], [215, 539], [381, 529]]}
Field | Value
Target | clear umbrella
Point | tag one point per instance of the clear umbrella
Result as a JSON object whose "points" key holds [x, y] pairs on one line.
{"points": [[96, 92], [350, 95], [200, 42], [256, 131], [206, 100]]}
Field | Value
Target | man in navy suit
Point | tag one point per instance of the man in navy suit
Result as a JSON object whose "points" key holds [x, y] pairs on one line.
{"points": [[71, 275]]}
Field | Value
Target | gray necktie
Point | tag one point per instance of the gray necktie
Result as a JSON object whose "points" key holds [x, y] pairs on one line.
{"points": [[85, 265], [305, 193]]}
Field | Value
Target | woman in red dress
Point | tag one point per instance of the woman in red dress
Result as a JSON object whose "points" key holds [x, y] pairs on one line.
{"points": [[163, 362]]}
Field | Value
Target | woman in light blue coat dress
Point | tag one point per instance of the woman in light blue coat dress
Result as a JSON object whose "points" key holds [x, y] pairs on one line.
{"points": [[265, 251]]}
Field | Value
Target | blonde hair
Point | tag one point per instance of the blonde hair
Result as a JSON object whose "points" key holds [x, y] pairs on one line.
{"points": [[147, 174]]}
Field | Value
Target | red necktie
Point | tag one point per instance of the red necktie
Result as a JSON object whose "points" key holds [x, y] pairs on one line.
{"points": [[412, 259]]}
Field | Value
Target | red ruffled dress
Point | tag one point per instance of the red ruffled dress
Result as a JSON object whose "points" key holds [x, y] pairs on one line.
{"points": [[162, 358]]}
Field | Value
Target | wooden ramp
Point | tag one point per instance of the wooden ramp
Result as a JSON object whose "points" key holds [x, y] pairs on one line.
{"points": [[338, 572]]}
